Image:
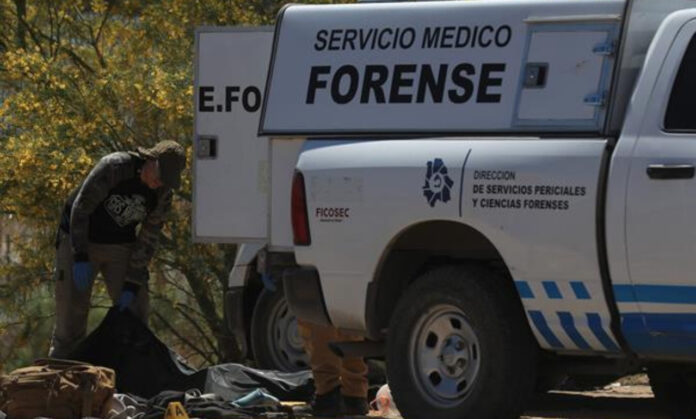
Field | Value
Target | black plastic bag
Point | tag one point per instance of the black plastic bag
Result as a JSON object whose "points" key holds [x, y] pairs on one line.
{"points": [[232, 381], [144, 365]]}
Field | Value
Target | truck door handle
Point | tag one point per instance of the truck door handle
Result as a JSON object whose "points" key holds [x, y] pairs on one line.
{"points": [[676, 171]]}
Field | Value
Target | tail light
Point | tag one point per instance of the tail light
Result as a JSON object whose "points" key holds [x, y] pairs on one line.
{"points": [[300, 222]]}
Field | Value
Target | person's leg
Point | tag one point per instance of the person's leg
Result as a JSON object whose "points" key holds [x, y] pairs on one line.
{"points": [[115, 265], [353, 379], [72, 305], [326, 368]]}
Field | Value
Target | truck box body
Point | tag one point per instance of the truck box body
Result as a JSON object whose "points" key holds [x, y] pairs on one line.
{"points": [[228, 92], [507, 66], [237, 197]]}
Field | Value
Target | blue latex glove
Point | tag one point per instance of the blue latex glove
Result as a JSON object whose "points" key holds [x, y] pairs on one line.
{"points": [[125, 300], [82, 274], [268, 282], [257, 398]]}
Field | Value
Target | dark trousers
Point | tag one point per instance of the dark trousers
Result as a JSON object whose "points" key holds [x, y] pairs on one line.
{"points": [[72, 305]]}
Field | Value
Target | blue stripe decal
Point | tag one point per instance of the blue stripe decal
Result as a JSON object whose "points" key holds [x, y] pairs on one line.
{"points": [[552, 290], [569, 327], [524, 289], [580, 290], [683, 324], [624, 294], [595, 323], [670, 294], [676, 333], [543, 328]]}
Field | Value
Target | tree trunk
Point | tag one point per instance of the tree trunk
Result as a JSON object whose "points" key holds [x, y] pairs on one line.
{"points": [[21, 7]]}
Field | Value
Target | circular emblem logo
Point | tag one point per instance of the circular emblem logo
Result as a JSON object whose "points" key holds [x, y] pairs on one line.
{"points": [[437, 182]]}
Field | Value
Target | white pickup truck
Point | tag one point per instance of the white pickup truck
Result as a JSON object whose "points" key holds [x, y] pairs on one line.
{"points": [[487, 190]]}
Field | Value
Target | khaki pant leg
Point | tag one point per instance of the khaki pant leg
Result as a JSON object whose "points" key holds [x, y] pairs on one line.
{"points": [[113, 261], [353, 370], [326, 367], [72, 306]]}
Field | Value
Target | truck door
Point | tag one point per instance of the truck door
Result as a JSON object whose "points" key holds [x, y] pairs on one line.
{"points": [[660, 210], [230, 162]]}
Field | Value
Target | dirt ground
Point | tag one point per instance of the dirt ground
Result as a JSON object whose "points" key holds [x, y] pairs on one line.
{"points": [[629, 398]]}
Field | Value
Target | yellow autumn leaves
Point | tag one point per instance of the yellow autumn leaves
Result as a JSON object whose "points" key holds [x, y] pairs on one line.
{"points": [[80, 79]]}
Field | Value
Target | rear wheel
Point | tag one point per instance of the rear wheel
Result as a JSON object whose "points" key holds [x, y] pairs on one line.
{"points": [[674, 386], [459, 347], [275, 341]]}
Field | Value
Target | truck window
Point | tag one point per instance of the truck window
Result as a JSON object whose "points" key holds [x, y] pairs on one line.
{"points": [[681, 110]]}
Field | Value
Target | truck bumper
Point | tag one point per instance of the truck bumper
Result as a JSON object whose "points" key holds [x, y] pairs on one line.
{"points": [[304, 296]]}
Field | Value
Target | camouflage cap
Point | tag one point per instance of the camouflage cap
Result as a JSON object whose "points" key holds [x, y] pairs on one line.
{"points": [[171, 158]]}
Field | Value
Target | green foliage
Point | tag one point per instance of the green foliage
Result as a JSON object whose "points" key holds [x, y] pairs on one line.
{"points": [[78, 80]]}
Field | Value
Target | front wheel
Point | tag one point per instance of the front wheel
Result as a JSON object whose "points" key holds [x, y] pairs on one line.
{"points": [[459, 347]]}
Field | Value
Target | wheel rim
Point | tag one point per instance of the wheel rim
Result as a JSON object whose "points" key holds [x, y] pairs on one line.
{"points": [[283, 339], [445, 356]]}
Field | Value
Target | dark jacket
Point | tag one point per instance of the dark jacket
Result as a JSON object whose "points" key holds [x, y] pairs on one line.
{"points": [[99, 194]]}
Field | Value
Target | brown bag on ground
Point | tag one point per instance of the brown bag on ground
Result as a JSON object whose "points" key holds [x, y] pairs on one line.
{"points": [[56, 388]]}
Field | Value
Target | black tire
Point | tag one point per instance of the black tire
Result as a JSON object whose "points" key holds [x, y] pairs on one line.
{"points": [[484, 368], [674, 386], [275, 342]]}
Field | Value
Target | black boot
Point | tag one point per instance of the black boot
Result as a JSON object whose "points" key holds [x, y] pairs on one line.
{"points": [[355, 406], [328, 405]]}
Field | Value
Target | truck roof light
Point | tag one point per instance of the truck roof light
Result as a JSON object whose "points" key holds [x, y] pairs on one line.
{"points": [[300, 222]]}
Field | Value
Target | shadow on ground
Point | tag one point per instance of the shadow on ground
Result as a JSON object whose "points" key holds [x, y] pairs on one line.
{"points": [[581, 406]]}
